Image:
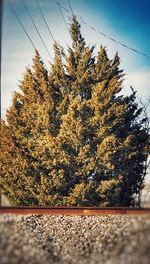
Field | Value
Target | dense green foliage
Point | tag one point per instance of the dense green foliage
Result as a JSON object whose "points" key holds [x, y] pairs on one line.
{"points": [[70, 137]]}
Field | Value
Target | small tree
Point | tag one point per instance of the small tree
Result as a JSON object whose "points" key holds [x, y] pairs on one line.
{"points": [[70, 138], [146, 124]]}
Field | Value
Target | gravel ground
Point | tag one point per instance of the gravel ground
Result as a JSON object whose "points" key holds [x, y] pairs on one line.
{"points": [[74, 239]]}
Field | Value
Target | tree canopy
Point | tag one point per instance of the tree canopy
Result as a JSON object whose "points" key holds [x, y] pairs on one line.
{"points": [[70, 137]]}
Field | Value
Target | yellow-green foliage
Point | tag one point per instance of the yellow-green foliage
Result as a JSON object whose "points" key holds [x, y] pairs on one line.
{"points": [[70, 138]]}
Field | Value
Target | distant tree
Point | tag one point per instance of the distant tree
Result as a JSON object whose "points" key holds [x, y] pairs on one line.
{"points": [[145, 116], [70, 137]]}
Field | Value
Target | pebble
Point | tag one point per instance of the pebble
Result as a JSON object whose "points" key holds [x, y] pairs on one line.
{"points": [[64, 239]]}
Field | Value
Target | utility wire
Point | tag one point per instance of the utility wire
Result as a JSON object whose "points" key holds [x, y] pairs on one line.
{"points": [[25, 31], [20, 23], [26, 7], [39, 7], [106, 36], [59, 6], [116, 41], [70, 8]]}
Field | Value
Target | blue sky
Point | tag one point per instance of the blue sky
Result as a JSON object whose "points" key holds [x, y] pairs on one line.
{"points": [[126, 21]]}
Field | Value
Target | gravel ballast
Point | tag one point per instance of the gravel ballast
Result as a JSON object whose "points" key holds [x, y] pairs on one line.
{"points": [[47, 239]]}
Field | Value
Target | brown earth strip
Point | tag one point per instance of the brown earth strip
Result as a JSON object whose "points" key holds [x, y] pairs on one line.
{"points": [[74, 210]]}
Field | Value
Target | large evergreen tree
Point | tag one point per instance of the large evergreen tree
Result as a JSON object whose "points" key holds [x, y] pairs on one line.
{"points": [[70, 137]]}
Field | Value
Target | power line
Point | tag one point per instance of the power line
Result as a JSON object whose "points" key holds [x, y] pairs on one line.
{"points": [[114, 40], [22, 26], [106, 36], [38, 5], [26, 7], [70, 8], [59, 6], [25, 31], [65, 9]]}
